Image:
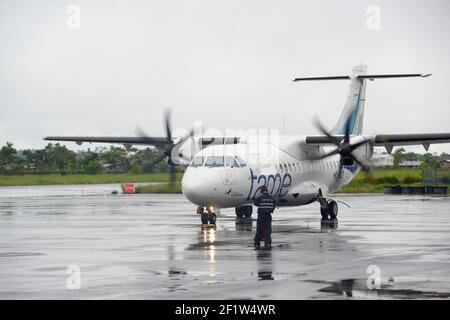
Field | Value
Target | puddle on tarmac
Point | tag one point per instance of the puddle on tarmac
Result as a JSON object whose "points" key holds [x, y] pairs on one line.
{"points": [[357, 288]]}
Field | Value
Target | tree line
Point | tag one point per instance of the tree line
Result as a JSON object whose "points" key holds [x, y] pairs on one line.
{"points": [[428, 160], [58, 159]]}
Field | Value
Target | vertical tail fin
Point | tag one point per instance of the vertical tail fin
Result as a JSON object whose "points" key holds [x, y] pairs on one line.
{"points": [[354, 107]]}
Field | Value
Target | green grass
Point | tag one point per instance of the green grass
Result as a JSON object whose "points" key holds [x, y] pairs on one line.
{"points": [[380, 178], [159, 188], [362, 183], [30, 180]]}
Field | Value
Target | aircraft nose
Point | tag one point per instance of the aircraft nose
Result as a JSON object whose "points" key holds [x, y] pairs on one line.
{"points": [[195, 188], [198, 188]]}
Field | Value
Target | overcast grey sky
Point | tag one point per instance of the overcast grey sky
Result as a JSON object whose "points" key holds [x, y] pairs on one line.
{"points": [[227, 63]]}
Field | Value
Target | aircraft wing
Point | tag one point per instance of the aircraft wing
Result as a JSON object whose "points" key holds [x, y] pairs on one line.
{"points": [[391, 140], [126, 141], [425, 139]]}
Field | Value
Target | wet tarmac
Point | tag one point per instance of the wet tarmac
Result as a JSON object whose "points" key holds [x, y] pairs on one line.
{"points": [[70, 242]]}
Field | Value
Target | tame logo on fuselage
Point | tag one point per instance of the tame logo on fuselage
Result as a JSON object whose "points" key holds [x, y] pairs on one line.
{"points": [[277, 184]]}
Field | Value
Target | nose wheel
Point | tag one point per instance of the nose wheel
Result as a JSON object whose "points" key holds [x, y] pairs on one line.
{"points": [[208, 216]]}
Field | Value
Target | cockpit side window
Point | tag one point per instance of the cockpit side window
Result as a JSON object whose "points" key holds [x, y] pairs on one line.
{"points": [[198, 162], [231, 162], [241, 162], [214, 161]]}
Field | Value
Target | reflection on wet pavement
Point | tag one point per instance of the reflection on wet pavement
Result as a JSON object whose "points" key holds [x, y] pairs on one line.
{"points": [[358, 288], [152, 247], [264, 264]]}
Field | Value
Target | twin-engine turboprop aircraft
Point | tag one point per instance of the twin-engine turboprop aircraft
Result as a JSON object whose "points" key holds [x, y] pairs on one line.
{"points": [[227, 172]]}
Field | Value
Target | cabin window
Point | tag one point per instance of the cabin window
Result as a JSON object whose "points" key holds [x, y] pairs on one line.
{"points": [[214, 161], [285, 168], [197, 162], [231, 162]]}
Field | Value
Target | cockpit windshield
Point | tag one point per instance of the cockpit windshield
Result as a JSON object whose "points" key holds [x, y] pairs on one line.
{"points": [[218, 161], [214, 161], [198, 162], [231, 162], [241, 162]]}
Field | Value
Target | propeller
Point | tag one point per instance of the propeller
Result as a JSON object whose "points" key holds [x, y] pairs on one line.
{"points": [[343, 147], [166, 147]]}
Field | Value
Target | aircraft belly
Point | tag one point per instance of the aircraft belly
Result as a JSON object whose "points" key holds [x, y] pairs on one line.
{"points": [[301, 194]]}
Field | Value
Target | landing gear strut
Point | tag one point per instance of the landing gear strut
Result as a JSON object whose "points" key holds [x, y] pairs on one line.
{"points": [[208, 216]]}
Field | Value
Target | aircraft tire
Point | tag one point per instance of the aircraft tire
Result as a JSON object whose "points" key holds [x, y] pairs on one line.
{"points": [[248, 211], [204, 218], [240, 212], [333, 209], [212, 218], [324, 212]]}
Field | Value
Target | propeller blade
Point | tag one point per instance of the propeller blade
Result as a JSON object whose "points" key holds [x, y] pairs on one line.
{"points": [[167, 115], [356, 145], [341, 165], [150, 140], [185, 137], [173, 172], [158, 159], [363, 166], [319, 126], [326, 155]]}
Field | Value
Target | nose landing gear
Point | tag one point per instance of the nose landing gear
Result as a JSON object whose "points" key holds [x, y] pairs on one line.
{"points": [[208, 216]]}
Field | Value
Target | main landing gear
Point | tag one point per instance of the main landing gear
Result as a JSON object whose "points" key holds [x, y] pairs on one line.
{"points": [[328, 211], [207, 215], [245, 211], [244, 221]]}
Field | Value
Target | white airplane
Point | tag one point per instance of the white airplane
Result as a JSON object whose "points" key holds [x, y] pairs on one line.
{"points": [[297, 170]]}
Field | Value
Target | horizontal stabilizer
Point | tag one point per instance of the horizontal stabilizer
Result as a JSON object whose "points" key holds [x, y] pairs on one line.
{"points": [[367, 76], [404, 75], [323, 78]]}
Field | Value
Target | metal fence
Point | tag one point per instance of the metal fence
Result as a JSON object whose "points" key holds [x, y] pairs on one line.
{"points": [[436, 176]]}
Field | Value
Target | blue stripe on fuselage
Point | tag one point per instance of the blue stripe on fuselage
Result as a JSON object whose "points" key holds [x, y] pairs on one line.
{"points": [[352, 168]]}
